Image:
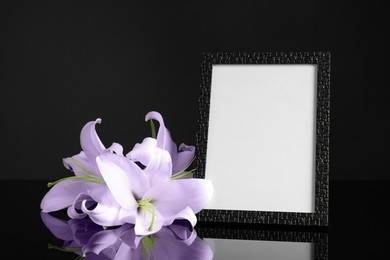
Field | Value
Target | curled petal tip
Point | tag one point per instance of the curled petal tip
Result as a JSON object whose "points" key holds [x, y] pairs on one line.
{"points": [[98, 120], [153, 115]]}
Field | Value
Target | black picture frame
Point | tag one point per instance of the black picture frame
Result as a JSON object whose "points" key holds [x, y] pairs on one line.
{"points": [[319, 239], [320, 215]]}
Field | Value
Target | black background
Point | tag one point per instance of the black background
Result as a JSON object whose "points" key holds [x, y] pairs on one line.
{"points": [[64, 63]]}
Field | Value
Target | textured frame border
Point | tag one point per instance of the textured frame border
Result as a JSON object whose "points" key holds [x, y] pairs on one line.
{"points": [[319, 239], [321, 208]]}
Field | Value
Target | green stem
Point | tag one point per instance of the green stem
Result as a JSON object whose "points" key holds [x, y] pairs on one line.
{"points": [[72, 250], [153, 128]]}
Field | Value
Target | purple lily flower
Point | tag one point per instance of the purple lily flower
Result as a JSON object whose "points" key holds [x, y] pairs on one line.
{"points": [[113, 189], [174, 242], [85, 238], [160, 156], [148, 206], [75, 232], [87, 181]]}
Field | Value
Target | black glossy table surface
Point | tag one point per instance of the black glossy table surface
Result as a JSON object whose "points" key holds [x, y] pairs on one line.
{"points": [[358, 228]]}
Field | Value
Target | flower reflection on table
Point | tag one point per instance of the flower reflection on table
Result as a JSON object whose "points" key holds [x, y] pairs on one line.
{"points": [[91, 241]]}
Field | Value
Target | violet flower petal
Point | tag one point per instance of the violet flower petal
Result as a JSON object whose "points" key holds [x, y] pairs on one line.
{"points": [[83, 230], [103, 195], [164, 140], [184, 158], [129, 237], [58, 227], [79, 164], [102, 214], [186, 214], [143, 222], [128, 253], [90, 141], [157, 162], [115, 148], [183, 233], [143, 152], [128, 215], [74, 211], [168, 247], [172, 197], [63, 194], [102, 240], [124, 179], [102, 256]]}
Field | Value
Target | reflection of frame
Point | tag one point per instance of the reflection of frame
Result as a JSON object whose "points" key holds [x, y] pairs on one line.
{"points": [[317, 242], [263, 137]]}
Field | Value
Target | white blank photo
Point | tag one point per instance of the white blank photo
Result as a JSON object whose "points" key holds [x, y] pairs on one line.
{"points": [[261, 137]]}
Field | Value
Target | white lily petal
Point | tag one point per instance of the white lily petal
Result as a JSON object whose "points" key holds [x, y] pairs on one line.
{"points": [[186, 214], [172, 197], [103, 215], [157, 162], [124, 179], [143, 152], [160, 168], [143, 224], [116, 148]]}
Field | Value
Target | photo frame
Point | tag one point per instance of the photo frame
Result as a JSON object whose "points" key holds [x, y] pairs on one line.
{"points": [[263, 137]]}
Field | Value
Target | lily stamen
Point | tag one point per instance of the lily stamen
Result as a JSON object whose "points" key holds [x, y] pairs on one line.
{"points": [[88, 178], [91, 177], [82, 167], [182, 174], [148, 206]]}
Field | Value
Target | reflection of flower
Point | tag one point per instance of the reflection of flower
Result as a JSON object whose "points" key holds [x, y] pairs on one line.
{"points": [[144, 188], [85, 238]]}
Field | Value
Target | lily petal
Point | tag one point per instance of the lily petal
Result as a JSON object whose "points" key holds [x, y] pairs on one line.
{"points": [[185, 234], [74, 211], [128, 215], [90, 141], [126, 252], [63, 194], [102, 215], [116, 148], [168, 246], [79, 164], [186, 214], [184, 158], [164, 139], [83, 230], [103, 195], [172, 197], [58, 227], [158, 162], [143, 152], [102, 240], [129, 237], [143, 222], [124, 179]]}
